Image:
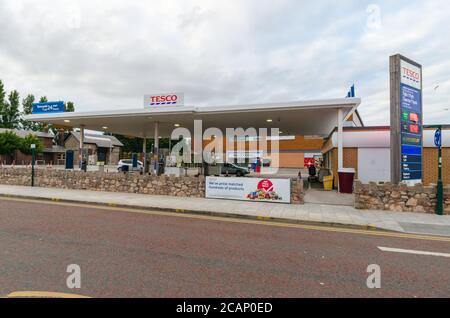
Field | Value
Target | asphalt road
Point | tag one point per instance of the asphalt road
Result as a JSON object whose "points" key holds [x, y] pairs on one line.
{"points": [[126, 254]]}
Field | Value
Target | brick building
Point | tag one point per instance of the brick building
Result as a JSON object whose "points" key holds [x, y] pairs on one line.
{"points": [[52, 154], [293, 150], [101, 148], [367, 150]]}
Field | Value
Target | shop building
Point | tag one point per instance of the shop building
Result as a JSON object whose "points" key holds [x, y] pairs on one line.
{"points": [[367, 150], [100, 148]]}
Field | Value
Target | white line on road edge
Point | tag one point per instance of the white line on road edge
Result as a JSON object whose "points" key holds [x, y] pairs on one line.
{"points": [[399, 250]]}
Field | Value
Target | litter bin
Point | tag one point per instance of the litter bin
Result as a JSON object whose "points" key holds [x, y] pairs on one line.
{"points": [[328, 183], [346, 177]]}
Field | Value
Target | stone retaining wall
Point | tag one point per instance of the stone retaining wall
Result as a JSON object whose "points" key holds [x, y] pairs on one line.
{"points": [[400, 198], [119, 182]]}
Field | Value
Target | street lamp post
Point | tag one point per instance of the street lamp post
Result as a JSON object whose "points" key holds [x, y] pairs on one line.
{"points": [[33, 161]]}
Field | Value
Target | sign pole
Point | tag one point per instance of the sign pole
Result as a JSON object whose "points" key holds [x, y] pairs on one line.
{"points": [[33, 161], [440, 185]]}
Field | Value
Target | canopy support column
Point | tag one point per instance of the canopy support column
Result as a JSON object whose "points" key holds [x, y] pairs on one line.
{"points": [[82, 157], [156, 150], [340, 138], [144, 152]]}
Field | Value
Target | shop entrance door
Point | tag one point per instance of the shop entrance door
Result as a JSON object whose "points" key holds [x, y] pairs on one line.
{"points": [[101, 154]]}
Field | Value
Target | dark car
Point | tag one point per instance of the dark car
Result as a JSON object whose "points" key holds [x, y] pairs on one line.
{"points": [[230, 168]]}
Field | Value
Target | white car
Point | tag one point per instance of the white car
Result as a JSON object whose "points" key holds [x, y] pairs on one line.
{"points": [[129, 163]]}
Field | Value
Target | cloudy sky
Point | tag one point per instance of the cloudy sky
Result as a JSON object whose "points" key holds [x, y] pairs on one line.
{"points": [[108, 54]]}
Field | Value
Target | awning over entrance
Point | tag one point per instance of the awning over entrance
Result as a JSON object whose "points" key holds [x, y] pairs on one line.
{"points": [[317, 117]]}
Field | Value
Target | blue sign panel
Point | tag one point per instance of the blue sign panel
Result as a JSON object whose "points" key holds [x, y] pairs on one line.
{"points": [[411, 132], [48, 107], [438, 138]]}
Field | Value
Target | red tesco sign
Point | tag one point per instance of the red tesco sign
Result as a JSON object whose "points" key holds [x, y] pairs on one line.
{"points": [[164, 98], [410, 73]]}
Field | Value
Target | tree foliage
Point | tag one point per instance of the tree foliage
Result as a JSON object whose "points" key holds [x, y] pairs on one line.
{"points": [[134, 144], [70, 107], [9, 108], [9, 142], [27, 107], [11, 113], [27, 104], [2, 102], [26, 142], [11, 116]]}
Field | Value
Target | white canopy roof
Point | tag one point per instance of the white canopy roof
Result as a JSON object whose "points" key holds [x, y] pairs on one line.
{"points": [[317, 117]]}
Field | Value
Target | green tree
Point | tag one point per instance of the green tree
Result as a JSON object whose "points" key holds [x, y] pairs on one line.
{"points": [[27, 107], [43, 99], [131, 144], [11, 113], [70, 107], [27, 104], [134, 144], [2, 103], [26, 142], [9, 142]]}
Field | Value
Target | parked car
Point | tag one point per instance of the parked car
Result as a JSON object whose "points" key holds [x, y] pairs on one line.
{"points": [[129, 164], [230, 168]]}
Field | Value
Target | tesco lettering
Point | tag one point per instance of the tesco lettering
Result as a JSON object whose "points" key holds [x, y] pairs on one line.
{"points": [[164, 98], [410, 73]]}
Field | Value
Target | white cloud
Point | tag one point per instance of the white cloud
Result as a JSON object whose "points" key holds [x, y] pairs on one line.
{"points": [[109, 54]]}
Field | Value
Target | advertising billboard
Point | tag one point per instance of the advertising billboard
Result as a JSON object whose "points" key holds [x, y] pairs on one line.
{"points": [[249, 189], [406, 120], [48, 107], [165, 99]]}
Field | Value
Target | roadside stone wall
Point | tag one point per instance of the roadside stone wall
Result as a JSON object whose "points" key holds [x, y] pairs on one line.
{"points": [[119, 182], [399, 198], [297, 191]]}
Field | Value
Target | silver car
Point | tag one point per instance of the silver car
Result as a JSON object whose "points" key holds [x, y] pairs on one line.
{"points": [[129, 163]]}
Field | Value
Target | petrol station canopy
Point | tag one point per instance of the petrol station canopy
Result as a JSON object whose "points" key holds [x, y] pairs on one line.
{"points": [[316, 117]]}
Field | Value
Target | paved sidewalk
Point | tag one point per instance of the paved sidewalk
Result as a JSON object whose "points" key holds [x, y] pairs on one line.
{"points": [[309, 213]]}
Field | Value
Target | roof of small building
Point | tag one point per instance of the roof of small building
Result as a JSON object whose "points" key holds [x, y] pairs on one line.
{"points": [[23, 133], [103, 141]]}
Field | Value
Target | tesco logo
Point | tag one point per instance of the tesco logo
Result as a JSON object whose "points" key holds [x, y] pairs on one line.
{"points": [[412, 75], [164, 100]]}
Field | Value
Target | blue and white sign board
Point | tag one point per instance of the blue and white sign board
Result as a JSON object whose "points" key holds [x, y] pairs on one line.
{"points": [[411, 130], [49, 107], [438, 138]]}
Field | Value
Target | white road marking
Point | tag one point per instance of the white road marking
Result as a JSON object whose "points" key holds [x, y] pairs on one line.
{"points": [[399, 250]]}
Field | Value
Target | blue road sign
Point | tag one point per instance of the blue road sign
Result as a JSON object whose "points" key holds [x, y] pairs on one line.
{"points": [[49, 107], [438, 138]]}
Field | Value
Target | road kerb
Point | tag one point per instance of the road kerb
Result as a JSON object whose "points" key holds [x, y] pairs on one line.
{"points": [[210, 213], [269, 220]]}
